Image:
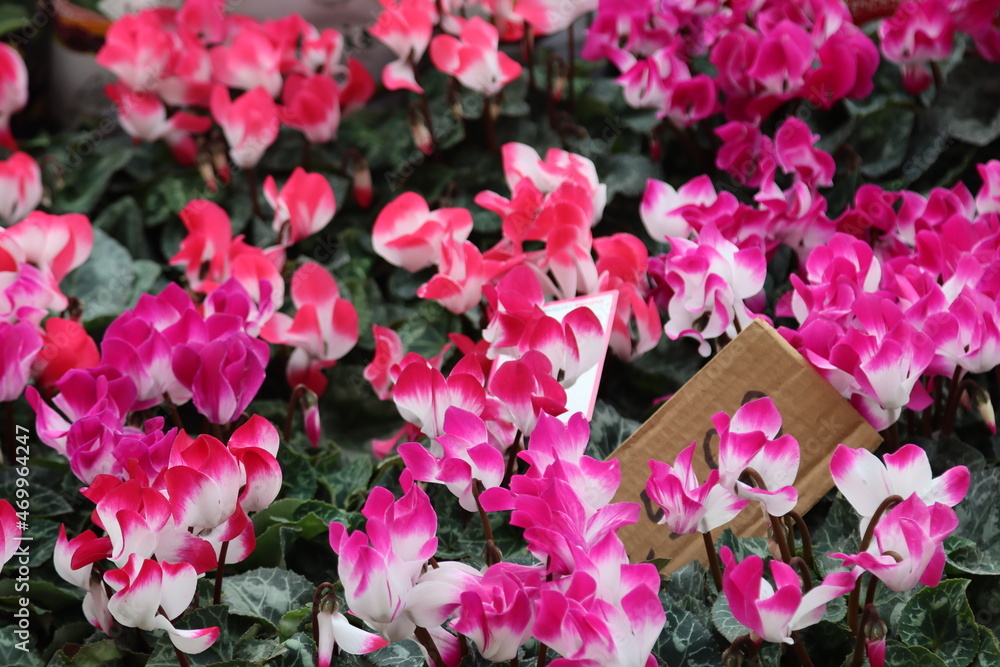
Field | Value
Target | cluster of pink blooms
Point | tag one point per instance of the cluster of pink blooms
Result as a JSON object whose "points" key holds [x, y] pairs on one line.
{"points": [[764, 54], [905, 296], [711, 281], [176, 508], [907, 544], [173, 66], [583, 598], [554, 202], [35, 255], [469, 49]]}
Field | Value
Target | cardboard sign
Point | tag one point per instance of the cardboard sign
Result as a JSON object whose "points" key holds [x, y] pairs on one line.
{"points": [[581, 396], [759, 362]]}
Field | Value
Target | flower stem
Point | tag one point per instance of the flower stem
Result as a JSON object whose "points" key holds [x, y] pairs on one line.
{"points": [[219, 573], [174, 415], [512, 453], [254, 200], [182, 659], [807, 547], [427, 641], [490, 124], [713, 560], [290, 413], [799, 563], [491, 554], [776, 525], [852, 601], [318, 597], [951, 406], [800, 651]]}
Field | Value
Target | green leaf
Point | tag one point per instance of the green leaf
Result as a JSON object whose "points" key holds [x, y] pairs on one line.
{"points": [[86, 178], [725, 622], [941, 620], [970, 100], [684, 640], [838, 533], [314, 517], [147, 274], [266, 594], [11, 655], [292, 621], [900, 655], [980, 553], [105, 653], [398, 654], [742, 546], [348, 484], [258, 650], [989, 649], [880, 138], [627, 173], [44, 503], [301, 652], [608, 430], [104, 282], [122, 220]]}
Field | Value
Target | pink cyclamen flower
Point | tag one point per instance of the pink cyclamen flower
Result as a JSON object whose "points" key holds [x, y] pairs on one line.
{"points": [[687, 506], [458, 284], [251, 59], [918, 32], [408, 234], [324, 329], [750, 440], [774, 612], [250, 123], [336, 632], [908, 545], [795, 148], [496, 614], [304, 206], [14, 84], [95, 601], [66, 345], [149, 594], [22, 343], [380, 568], [312, 106], [662, 206], [474, 58], [866, 482], [423, 395], [20, 187], [526, 388], [222, 375], [10, 532], [388, 353], [56, 244], [405, 26]]}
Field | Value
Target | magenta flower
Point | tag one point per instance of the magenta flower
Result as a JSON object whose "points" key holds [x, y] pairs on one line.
{"points": [[408, 234], [14, 82], [22, 343], [312, 106], [304, 206], [405, 26], [464, 455], [918, 32], [866, 482], [750, 440], [458, 284], [380, 568], [223, 375], [250, 123], [20, 187], [774, 612], [496, 614], [474, 58], [687, 506], [10, 531], [525, 388], [249, 60], [149, 594], [95, 601], [908, 545], [423, 395], [335, 631]]}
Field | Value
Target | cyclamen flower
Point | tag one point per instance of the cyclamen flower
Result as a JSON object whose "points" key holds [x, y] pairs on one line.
{"points": [[458, 285], [687, 506], [474, 59], [773, 613], [379, 569], [409, 235], [149, 594], [223, 375], [22, 343], [464, 455], [324, 328], [908, 545], [250, 123], [706, 283], [304, 206], [525, 388], [423, 395], [496, 614], [20, 187], [405, 26], [312, 105], [65, 346], [10, 532], [750, 440], [14, 83], [916, 33], [335, 631], [866, 482]]}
